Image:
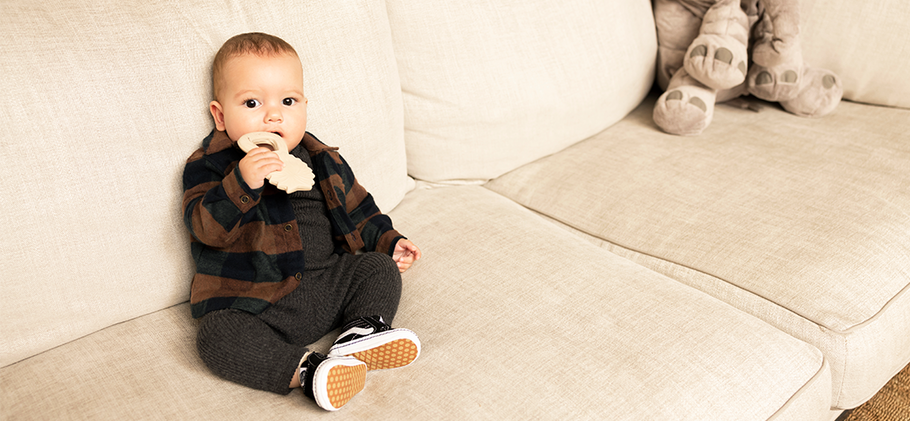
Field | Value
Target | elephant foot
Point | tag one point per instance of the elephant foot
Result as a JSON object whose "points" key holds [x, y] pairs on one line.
{"points": [[717, 61], [685, 110], [775, 84], [820, 93]]}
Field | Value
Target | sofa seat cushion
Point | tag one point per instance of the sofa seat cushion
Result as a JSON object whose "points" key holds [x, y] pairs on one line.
{"points": [[518, 320], [800, 222]]}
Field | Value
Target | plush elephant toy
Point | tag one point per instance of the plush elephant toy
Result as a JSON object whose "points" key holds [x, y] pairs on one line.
{"points": [[711, 51]]}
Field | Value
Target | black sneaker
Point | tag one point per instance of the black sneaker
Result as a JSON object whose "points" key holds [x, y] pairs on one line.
{"points": [[371, 340], [332, 381]]}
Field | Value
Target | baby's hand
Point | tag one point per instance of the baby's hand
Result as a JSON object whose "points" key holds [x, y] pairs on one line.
{"points": [[257, 164], [405, 254]]}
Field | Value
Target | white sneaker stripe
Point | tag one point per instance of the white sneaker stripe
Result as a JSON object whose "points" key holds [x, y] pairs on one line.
{"points": [[362, 331]]}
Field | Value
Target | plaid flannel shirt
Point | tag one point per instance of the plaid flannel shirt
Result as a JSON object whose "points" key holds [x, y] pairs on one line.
{"points": [[246, 242]]}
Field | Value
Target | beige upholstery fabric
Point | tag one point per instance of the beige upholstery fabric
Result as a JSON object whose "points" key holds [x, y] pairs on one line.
{"points": [[865, 43], [489, 86], [511, 328], [519, 318], [107, 100], [802, 223]]}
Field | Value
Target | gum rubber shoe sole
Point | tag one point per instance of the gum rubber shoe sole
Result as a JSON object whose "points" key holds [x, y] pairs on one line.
{"points": [[390, 349], [336, 384]]}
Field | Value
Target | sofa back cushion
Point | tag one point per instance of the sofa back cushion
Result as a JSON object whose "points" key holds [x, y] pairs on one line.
{"points": [[489, 86], [107, 99], [863, 42]]}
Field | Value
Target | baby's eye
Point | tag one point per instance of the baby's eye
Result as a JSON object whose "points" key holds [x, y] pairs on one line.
{"points": [[251, 103], [289, 101]]}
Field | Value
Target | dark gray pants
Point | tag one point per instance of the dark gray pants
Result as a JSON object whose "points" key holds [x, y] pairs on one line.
{"points": [[262, 351]]}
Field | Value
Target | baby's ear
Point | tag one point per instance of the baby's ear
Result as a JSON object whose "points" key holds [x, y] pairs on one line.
{"points": [[217, 114]]}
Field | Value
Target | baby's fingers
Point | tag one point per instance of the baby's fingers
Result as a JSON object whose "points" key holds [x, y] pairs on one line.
{"points": [[405, 261], [266, 161]]}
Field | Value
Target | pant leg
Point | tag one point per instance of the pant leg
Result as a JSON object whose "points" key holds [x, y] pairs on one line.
{"points": [[366, 284], [375, 288], [263, 351], [240, 347]]}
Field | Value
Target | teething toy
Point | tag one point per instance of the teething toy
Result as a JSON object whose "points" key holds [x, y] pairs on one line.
{"points": [[296, 175]]}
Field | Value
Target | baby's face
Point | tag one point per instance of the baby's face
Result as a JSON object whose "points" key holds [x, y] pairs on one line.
{"points": [[262, 94]]}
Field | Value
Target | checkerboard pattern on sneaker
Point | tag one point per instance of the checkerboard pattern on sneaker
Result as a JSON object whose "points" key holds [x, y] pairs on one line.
{"points": [[332, 381], [371, 340]]}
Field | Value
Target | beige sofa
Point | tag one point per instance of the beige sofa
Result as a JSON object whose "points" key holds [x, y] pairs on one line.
{"points": [[578, 262]]}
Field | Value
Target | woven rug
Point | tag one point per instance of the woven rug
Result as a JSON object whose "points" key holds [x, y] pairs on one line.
{"points": [[892, 403]]}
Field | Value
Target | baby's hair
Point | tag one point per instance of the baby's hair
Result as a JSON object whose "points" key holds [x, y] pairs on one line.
{"points": [[257, 43]]}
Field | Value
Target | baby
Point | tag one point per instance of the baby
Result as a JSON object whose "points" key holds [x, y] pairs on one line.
{"points": [[275, 270]]}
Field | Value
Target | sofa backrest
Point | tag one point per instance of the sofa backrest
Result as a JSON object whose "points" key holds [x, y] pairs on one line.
{"points": [[489, 86], [863, 42], [107, 99]]}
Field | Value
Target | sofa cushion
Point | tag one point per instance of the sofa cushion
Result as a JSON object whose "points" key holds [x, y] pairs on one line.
{"points": [[801, 222], [109, 98], [518, 320], [864, 43], [489, 86]]}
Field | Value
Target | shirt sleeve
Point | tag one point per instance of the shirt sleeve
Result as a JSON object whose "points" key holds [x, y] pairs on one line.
{"points": [[373, 227], [213, 203]]}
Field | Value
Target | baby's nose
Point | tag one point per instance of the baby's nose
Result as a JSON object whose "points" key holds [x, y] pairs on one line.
{"points": [[274, 115]]}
